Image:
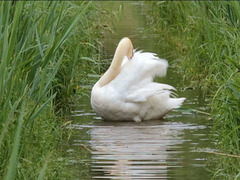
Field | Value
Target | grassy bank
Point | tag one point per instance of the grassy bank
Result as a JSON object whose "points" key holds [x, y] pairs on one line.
{"points": [[206, 38], [43, 46]]}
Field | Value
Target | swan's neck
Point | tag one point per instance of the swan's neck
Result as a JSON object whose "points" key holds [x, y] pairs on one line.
{"points": [[124, 47]]}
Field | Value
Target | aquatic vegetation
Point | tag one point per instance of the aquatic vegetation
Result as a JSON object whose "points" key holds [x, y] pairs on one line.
{"points": [[42, 47], [206, 37]]}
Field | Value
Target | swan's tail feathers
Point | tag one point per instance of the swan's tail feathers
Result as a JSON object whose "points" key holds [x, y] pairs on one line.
{"points": [[175, 103]]}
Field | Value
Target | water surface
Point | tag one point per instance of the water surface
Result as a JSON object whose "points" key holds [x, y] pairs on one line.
{"points": [[170, 148]]}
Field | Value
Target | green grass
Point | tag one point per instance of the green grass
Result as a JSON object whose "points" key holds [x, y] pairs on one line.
{"points": [[43, 46], [205, 35]]}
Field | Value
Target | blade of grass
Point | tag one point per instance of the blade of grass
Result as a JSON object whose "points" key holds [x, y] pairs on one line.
{"points": [[44, 92], [11, 172], [62, 37], [35, 114], [43, 171], [233, 89], [7, 122], [13, 37], [4, 60]]}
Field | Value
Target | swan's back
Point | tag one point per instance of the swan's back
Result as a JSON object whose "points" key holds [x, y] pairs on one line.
{"points": [[134, 94]]}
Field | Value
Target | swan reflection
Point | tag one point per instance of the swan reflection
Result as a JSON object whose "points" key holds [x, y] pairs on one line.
{"points": [[136, 150]]}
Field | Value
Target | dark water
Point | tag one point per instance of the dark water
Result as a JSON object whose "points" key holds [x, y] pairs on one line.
{"points": [[172, 148]]}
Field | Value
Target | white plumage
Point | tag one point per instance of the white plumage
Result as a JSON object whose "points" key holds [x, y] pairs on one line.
{"points": [[131, 95]]}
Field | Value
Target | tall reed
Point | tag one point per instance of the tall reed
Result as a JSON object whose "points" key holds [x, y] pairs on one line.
{"points": [[206, 37], [40, 48]]}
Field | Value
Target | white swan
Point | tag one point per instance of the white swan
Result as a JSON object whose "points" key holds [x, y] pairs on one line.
{"points": [[126, 92]]}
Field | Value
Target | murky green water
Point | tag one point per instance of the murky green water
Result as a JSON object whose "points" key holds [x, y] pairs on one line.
{"points": [[165, 149]]}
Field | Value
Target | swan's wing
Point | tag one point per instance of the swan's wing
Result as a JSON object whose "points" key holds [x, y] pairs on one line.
{"points": [[149, 64], [138, 72], [143, 93]]}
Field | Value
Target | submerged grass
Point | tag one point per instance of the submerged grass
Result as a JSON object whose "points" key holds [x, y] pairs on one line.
{"points": [[41, 47], [206, 37]]}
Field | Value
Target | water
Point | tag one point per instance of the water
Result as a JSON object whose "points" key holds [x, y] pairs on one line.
{"points": [[172, 148]]}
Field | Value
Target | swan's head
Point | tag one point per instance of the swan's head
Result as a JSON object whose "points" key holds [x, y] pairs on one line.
{"points": [[126, 42]]}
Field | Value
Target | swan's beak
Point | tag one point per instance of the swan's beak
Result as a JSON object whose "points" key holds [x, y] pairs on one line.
{"points": [[132, 55]]}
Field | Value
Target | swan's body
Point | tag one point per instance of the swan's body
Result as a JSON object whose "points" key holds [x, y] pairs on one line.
{"points": [[126, 92]]}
